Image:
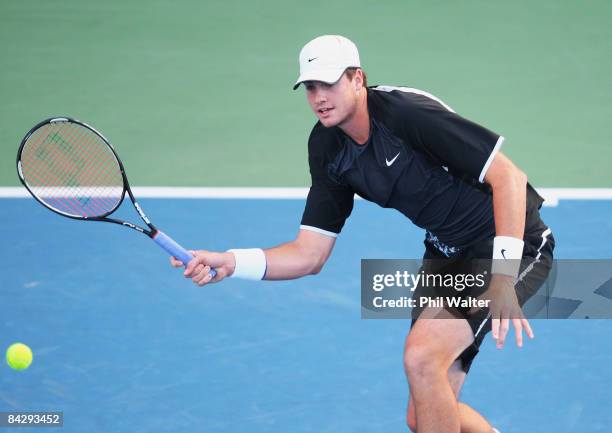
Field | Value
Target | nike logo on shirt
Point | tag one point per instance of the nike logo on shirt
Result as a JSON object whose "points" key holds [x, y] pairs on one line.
{"points": [[390, 163]]}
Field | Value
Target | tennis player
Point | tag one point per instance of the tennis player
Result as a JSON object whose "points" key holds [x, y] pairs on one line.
{"points": [[407, 150]]}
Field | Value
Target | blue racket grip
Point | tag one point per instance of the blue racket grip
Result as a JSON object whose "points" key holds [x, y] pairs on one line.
{"points": [[174, 249]]}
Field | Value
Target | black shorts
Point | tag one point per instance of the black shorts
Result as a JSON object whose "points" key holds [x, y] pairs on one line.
{"points": [[535, 266]]}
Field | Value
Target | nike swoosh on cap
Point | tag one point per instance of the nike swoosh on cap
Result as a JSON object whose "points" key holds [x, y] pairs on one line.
{"points": [[314, 58]]}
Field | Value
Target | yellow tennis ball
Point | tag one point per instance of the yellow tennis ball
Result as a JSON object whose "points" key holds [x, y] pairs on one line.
{"points": [[19, 356]]}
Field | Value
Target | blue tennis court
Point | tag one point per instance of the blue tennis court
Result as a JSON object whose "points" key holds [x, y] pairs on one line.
{"points": [[123, 343]]}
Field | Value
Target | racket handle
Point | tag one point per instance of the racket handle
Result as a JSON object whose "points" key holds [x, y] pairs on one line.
{"points": [[174, 249]]}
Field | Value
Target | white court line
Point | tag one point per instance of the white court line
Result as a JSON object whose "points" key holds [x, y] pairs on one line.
{"points": [[552, 195]]}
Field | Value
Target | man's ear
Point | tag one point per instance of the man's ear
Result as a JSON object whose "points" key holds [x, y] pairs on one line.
{"points": [[358, 80]]}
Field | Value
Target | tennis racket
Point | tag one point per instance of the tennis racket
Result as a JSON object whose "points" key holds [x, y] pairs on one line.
{"points": [[72, 169]]}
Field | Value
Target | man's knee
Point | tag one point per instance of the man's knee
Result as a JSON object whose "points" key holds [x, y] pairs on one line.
{"points": [[423, 361]]}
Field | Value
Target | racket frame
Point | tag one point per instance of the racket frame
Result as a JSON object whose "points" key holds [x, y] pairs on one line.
{"points": [[163, 240]]}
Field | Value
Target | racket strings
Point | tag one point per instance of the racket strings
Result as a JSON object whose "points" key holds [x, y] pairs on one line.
{"points": [[55, 172], [73, 198], [79, 156], [71, 169], [92, 152], [88, 148]]}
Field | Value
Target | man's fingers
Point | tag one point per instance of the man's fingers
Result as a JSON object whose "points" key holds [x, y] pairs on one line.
{"points": [[200, 277], [496, 319], [193, 265], [205, 279], [501, 327], [200, 266], [197, 273], [527, 328], [175, 263], [503, 331], [518, 330], [495, 326]]}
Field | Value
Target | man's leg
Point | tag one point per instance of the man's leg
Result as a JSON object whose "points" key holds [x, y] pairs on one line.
{"points": [[469, 419], [431, 348]]}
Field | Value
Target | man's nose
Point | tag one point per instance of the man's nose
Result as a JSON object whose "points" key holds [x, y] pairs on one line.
{"points": [[320, 95]]}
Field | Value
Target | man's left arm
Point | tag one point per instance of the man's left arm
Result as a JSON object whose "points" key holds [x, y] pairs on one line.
{"points": [[508, 184]]}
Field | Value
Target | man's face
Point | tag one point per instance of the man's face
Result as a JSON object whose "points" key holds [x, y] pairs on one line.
{"points": [[333, 104]]}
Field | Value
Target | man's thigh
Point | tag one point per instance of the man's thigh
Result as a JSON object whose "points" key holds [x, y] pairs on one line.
{"points": [[443, 338]]}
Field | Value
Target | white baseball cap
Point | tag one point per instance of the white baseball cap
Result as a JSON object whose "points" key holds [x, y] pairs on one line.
{"points": [[326, 58]]}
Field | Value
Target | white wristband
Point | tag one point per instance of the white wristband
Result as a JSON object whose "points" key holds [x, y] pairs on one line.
{"points": [[507, 255], [250, 263]]}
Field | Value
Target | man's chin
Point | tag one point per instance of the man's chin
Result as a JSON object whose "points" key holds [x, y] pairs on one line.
{"points": [[328, 123]]}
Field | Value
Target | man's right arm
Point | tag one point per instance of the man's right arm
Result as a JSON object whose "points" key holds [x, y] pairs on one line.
{"points": [[306, 255], [303, 256]]}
